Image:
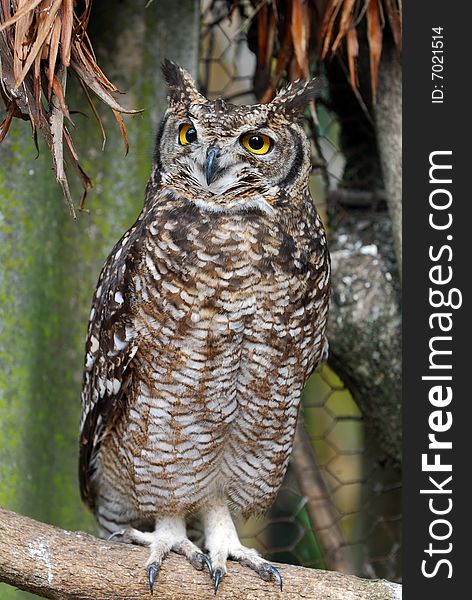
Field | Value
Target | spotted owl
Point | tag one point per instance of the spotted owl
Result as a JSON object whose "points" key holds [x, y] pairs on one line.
{"points": [[208, 317]]}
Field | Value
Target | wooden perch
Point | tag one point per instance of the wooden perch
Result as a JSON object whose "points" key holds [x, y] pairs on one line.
{"points": [[60, 564]]}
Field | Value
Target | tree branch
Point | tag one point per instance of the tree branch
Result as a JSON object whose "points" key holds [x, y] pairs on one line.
{"points": [[65, 565]]}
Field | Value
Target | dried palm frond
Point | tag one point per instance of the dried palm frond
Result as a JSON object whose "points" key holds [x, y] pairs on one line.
{"points": [[290, 33], [39, 41], [283, 42], [340, 22]]}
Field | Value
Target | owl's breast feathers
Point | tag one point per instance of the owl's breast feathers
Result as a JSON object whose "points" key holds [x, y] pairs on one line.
{"points": [[224, 312]]}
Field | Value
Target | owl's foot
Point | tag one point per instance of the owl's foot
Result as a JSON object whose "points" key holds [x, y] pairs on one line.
{"points": [[129, 535], [194, 555], [169, 535], [247, 557], [250, 558], [222, 542]]}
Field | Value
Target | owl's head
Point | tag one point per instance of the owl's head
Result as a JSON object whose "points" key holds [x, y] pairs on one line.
{"points": [[224, 157]]}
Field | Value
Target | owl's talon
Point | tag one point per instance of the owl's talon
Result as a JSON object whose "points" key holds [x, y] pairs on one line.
{"points": [[265, 571], [217, 577], [276, 573], [153, 570], [115, 534], [129, 535], [198, 560], [206, 560]]}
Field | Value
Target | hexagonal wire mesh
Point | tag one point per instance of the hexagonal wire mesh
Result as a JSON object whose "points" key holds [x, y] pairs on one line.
{"points": [[354, 491]]}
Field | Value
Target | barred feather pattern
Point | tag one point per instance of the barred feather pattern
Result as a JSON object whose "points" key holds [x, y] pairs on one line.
{"points": [[205, 326]]}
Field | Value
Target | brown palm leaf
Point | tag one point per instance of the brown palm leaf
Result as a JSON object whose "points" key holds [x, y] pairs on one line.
{"points": [[39, 41], [340, 22], [284, 32], [289, 30], [300, 27]]}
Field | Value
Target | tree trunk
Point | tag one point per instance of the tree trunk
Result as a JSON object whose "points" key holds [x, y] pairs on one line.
{"points": [[49, 264], [64, 565], [365, 324], [388, 117], [365, 242]]}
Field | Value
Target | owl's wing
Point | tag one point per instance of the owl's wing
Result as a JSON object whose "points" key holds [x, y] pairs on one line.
{"points": [[110, 348]]}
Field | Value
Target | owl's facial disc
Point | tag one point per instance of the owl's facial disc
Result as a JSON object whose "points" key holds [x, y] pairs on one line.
{"points": [[228, 159], [224, 157], [219, 162]]}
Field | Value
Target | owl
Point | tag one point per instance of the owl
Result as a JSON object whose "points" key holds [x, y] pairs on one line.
{"points": [[208, 317]]}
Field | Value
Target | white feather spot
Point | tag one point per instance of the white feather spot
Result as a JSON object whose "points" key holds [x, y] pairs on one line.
{"points": [[119, 344], [116, 386], [93, 344], [89, 361], [170, 287], [109, 386]]}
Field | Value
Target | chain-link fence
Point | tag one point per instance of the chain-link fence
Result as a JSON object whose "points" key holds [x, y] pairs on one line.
{"points": [[354, 488]]}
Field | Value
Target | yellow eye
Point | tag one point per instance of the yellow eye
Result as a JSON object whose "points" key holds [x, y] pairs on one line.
{"points": [[187, 134], [257, 143]]}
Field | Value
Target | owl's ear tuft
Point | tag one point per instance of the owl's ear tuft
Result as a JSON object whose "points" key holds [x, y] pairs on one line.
{"points": [[293, 100], [181, 87]]}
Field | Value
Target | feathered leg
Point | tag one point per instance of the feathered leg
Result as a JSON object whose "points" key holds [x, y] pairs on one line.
{"points": [[222, 542], [169, 535]]}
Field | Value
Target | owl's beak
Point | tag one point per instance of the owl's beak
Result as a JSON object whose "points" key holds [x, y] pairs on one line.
{"points": [[211, 165]]}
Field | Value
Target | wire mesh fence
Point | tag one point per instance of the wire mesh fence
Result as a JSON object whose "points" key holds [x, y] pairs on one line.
{"points": [[354, 486]]}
